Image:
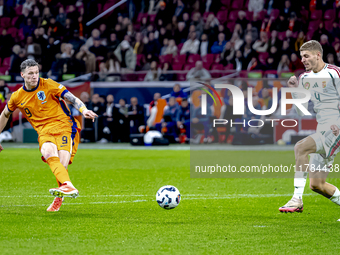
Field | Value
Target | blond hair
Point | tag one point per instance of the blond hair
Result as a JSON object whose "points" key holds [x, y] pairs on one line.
{"points": [[312, 45]]}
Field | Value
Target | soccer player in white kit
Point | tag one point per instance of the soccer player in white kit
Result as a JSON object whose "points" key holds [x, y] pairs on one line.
{"points": [[323, 82]]}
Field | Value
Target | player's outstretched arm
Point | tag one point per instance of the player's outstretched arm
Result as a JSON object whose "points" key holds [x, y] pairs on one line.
{"points": [[80, 106], [3, 121], [292, 82]]}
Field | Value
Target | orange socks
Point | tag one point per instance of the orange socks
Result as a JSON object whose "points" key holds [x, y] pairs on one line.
{"points": [[58, 169]]}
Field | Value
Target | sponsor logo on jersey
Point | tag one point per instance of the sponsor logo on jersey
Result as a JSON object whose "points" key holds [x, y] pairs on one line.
{"points": [[324, 84], [307, 85], [41, 95], [315, 85], [60, 87]]}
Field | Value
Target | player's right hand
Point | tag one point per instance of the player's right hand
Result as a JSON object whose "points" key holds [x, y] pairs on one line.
{"points": [[292, 82], [1, 148]]}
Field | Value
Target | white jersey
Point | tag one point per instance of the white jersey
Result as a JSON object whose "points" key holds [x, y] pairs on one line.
{"points": [[324, 88]]}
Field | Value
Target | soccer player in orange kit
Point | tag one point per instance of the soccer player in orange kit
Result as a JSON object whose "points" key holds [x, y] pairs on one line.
{"points": [[41, 102]]}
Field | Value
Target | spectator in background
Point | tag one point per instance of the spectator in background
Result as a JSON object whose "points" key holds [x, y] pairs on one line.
{"points": [[331, 60], [242, 21], [85, 98], [295, 63], [287, 10], [228, 54], [39, 38], [61, 17], [54, 28], [136, 115], [110, 120], [299, 41], [125, 56], [211, 25], [252, 31], [162, 34], [179, 8], [112, 43], [271, 64], [335, 31], [29, 27], [165, 76], [337, 51], [255, 6], [119, 32], [266, 99], [183, 117], [218, 46], [274, 41], [236, 41], [88, 58], [319, 32], [4, 91], [203, 48], [283, 64], [181, 33], [153, 74], [168, 124], [177, 91], [186, 19], [191, 45], [163, 13], [198, 72], [172, 48], [94, 34], [262, 44], [96, 106], [138, 47], [68, 51], [152, 47], [247, 51], [156, 96], [122, 128], [326, 46], [32, 49], [16, 60], [239, 63], [165, 46], [285, 50], [6, 44], [99, 50], [76, 41], [197, 21]]}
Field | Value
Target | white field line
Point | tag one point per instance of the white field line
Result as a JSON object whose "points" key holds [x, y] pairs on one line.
{"points": [[187, 197]]}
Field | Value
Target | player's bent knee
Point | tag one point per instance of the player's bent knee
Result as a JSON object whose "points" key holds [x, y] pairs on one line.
{"points": [[49, 150]]}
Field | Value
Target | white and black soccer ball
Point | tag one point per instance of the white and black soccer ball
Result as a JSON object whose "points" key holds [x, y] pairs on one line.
{"points": [[168, 197]]}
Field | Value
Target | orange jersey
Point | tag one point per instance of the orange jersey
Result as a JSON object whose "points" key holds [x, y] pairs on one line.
{"points": [[43, 107]]}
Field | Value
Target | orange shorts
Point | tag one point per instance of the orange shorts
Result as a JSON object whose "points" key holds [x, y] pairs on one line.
{"points": [[66, 138]]}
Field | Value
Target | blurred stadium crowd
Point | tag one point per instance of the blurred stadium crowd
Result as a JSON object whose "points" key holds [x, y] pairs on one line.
{"points": [[170, 40]]}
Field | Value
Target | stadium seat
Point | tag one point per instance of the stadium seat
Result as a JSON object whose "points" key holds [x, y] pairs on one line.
{"points": [[206, 65], [275, 14], [5, 22], [316, 15], [13, 21], [6, 62], [18, 10], [177, 66], [226, 3], [313, 25], [182, 76], [140, 17], [281, 36], [179, 59], [216, 67], [233, 16], [165, 58], [193, 58], [140, 76], [68, 7], [329, 15], [187, 67], [309, 35], [99, 6], [152, 18], [140, 59], [263, 57], [237, 4], [205, 15], [329, 24], [229, 67], [208, 59], [222, 16], [249, 16], [12, 31], [231, 25], [179, 47], [304, 15]]}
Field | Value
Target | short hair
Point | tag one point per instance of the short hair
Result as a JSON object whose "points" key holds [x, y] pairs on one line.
{"points": [[28, 63], [312, 45]]}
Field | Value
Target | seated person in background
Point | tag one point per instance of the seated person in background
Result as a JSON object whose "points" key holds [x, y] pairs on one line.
{"points": [[198, 72], [165, 75], [154, 73], [218, 46], [183, 117], [265, 100], [136, 115], [168, 124], [178, 92], [156, 96], [125, 56], [98, 49], [172, 48], [191, 45], [110, 119], [123, 131]]}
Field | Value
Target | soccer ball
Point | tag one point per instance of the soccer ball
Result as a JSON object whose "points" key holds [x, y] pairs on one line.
{"points": [[168, 197]]}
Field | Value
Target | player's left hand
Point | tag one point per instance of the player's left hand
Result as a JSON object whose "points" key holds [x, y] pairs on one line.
{"points": [[88, 114], [335, 130], [1, 148]]}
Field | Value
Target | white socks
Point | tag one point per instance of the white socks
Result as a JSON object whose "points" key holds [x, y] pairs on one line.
{"points": [[299, 184], [336, 196]]}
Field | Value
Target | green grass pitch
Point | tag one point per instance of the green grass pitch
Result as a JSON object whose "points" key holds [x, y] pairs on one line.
{"points": [[116, 212]]}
